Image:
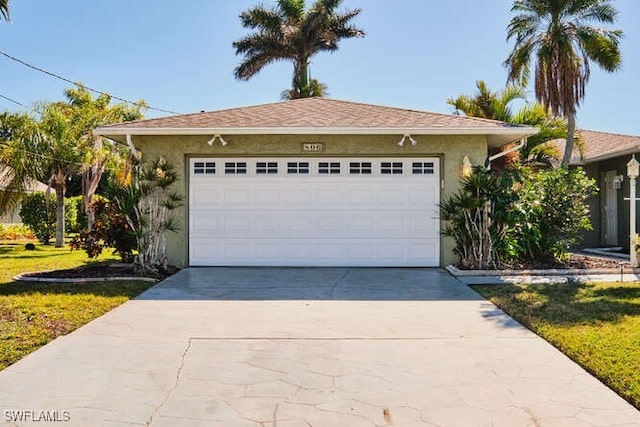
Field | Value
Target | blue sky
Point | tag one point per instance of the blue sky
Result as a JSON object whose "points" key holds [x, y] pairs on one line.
{"points": [[416, 54]]}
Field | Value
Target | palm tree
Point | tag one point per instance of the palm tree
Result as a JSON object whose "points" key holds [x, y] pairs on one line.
{"points": [[556, 35], [496, 105], [4, 9], [21, 162], [290, 32], [488, 104]]}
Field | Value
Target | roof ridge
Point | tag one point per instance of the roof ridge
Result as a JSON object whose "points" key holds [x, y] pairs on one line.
{"points": [[609, 133]]}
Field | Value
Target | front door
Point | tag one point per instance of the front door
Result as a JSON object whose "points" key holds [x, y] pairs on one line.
{"points": [[610, 209]]}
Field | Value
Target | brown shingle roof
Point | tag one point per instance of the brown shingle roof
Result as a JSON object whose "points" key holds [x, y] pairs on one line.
{"points": [[313, 113], [602, 145]]}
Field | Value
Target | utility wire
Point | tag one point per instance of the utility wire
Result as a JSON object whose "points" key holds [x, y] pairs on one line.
{"points": [[14, 101], [59, 77]]}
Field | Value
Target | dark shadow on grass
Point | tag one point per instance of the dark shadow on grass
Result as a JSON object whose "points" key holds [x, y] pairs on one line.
{"points": [[563, 304], [129, 289]]}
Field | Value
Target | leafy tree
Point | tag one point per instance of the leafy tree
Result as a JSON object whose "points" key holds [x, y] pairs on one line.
{"points": [[558, 37], [290, 32], [496, 105], [146, 200], [58, 145], [21, 161]]}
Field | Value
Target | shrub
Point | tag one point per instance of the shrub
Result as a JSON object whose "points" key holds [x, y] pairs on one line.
{"points": [[39, 215], [517, 215], [551, 212], [15, 232], [110, 229]]}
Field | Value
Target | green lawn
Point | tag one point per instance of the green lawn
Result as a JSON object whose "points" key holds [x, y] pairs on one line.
{"points": [[32, 314], [597, 325]]}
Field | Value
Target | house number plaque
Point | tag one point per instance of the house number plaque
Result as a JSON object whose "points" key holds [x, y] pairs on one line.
{"points": [[314, 147]]}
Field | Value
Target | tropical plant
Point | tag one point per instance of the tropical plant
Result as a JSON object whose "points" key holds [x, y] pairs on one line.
{"points": [[21, 162], [558, 37], [147, 201], [497, 105], [550, 212], [474, 218], [290, 32], [110, 229], [488, 104], [4, 9], [59, 145]]}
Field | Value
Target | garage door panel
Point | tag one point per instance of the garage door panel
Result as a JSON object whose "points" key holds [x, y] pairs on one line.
{"points": [[314, 219]]}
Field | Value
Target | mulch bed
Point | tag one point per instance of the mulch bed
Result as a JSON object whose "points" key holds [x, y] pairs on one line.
{"points": [[100, 271], [576, 261]]}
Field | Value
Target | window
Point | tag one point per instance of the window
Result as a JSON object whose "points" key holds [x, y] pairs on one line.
{"points": [[388, 168], [263, 168], [423, 168], [360, 168], [298, 167], [204, 168], [325, 168], [235, 168]]}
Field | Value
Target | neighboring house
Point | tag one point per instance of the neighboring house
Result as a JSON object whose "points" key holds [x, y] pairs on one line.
{"points": [[12, 216], [314, 182], [604, 158]]}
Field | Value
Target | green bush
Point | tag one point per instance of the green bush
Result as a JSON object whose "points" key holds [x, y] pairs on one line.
{"points": [[550, 213], [517, 214], [110, 229], [75, 218], [39, 215]]}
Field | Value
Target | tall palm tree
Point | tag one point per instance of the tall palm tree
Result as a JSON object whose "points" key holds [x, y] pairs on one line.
{"points": [[290, 32], [558, 37], [4, 9]]}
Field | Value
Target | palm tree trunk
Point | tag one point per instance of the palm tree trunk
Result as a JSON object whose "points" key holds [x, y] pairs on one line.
{"points": [[568, 149], [60, 190]]}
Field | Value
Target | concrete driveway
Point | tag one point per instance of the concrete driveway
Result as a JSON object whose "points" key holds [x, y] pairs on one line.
{"points": [[306, 347]]}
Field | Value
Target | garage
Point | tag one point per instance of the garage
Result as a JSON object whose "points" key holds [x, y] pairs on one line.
{"points": [[304, 211]]}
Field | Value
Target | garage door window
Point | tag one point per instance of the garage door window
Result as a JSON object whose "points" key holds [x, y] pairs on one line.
{"points": [[326, 168], [301, 168], [235, 168], [263, 168], [389, 168], [204, 168], [423, 168], [357, 168]]}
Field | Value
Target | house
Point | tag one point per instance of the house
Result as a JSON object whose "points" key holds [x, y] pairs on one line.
{"points": [[314, 182], [604, 158], [12, 215]]}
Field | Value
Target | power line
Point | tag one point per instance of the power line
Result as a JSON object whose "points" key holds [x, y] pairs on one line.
{"points": [[59, 77], [14, 101]]}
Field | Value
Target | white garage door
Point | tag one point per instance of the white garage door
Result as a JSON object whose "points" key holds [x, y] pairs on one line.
{"points": [[314, 212]]}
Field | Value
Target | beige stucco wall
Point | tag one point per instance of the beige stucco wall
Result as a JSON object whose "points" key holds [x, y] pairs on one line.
{"points": [[177, 149]]}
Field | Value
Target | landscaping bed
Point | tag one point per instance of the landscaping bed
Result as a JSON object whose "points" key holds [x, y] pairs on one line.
{"points": [[98, 271]]}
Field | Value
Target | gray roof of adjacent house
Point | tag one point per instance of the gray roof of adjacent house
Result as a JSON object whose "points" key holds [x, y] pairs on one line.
{"points": [[32, 186], [601, 146], [320, 116]]}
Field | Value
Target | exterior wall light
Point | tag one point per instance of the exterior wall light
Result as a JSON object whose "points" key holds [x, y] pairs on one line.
{"points": [[405, 137], [212, 140], [467, 167]]}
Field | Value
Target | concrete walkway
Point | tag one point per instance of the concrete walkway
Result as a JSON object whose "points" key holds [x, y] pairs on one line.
{"points": [[306, 347]]}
